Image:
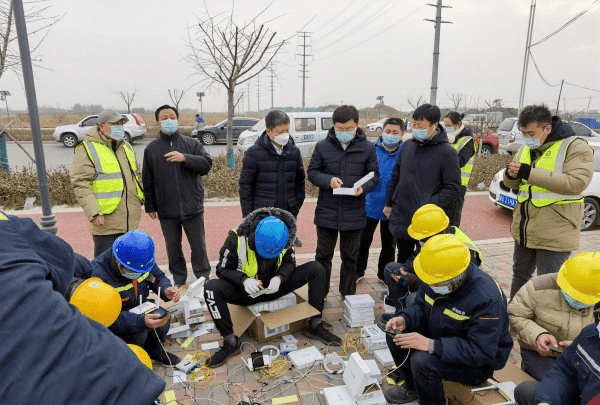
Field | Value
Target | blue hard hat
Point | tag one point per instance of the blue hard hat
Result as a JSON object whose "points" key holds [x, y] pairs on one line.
{"points": [[135, 251], [270, 237]]}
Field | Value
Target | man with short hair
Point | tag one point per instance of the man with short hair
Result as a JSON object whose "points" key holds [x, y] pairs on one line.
{"points": [[272, 170], [173, 164], [551, 171], [106, 181], [427, 171], [341, 159]]}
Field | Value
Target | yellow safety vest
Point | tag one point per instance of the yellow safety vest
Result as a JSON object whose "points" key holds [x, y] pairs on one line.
{"points": [[247, 262], [108, 185], [465, 171], [3, 217], [552, 160], [468, 242]]}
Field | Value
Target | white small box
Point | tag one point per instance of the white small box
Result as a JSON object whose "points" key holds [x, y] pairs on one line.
{"points": [[372, 396], [144, 308], [356, 323], [359, 300], [384, 356], [338, 396], [375, 371], [178, 329], [357, 375], [306, 357]]}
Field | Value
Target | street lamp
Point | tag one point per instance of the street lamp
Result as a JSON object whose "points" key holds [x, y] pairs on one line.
{"points": [[380, 99], [200, 94], [3, 94]]}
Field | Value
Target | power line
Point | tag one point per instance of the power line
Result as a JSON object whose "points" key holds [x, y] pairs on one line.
{"points": [[558, 84], [565, 25], [304, 36]]}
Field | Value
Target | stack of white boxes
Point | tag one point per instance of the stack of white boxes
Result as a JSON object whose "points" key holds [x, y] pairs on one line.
{"points": [[359, 310], [272, 306], [373, 338]]}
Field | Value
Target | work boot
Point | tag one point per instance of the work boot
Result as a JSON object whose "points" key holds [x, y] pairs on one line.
{"points": [[221, 356], [400, 395], [319, 332], [166, 358]]}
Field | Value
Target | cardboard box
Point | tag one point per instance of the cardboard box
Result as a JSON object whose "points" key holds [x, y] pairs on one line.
{"points": [[294, 316], [461, 394]]}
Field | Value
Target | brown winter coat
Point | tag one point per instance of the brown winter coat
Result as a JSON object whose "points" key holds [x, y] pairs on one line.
{"points": [[554, 227], [539, 307], [127, 215]]}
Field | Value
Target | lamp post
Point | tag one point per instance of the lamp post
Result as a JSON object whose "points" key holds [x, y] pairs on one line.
{"points": [[3, 153], [200, 94], [380, 99]]}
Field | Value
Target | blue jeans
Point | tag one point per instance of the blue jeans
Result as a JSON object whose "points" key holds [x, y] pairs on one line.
{"points": [[425, 372]]}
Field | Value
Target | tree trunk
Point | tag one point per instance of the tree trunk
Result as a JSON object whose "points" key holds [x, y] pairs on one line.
{"points": [[230, 108]]}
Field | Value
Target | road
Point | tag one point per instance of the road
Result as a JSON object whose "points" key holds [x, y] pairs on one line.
{"points": [[56, 154]]}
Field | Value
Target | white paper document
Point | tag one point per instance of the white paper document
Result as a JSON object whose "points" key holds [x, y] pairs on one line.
{"points": [[352, 190]]}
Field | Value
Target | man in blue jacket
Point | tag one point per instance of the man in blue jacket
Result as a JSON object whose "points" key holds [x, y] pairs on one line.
{"points": [[456, 330], [341, 159], [50, 352], [130, 267], [388, 149]]}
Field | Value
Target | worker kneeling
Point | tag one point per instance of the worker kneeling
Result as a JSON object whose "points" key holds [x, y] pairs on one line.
{"points": [[456, 330], [130, 267], [258, 255]]}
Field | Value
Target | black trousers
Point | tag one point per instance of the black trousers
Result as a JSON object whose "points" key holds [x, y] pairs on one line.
{"points": [[104, 242], [147, 339], [458, 206], [387, 253], [194, 230], [525, 392], [425, 372], [406, 248], [218, 293], [349, 243]]}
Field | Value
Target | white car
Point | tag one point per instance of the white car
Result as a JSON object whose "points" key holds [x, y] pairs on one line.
{"points": [[375, 126], [507, 198], [71, 135]]}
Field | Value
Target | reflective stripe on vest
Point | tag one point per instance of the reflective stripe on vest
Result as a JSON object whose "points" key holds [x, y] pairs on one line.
{"points": [[130, 285], [468, 242], [3, 217], [428, 299], [456, 316], [247, 262], [465, 171], [552, 160], [108, 185]]}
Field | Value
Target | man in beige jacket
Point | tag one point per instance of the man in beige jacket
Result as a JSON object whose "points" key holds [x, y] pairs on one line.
{"points": [[105, 177], [551, 171], [548, 312]]}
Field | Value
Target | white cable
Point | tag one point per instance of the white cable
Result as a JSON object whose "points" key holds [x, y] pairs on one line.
{"points": [[330, 359], [271, 347]]}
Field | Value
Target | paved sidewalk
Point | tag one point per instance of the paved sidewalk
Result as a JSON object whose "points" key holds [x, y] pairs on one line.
{"points": [[498, 263]]}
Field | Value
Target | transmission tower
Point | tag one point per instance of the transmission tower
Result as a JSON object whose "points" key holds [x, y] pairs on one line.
{"points": [[436, 48], [304, 45]]}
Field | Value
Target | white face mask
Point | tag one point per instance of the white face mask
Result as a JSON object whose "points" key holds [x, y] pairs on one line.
{"points": [[282, 139]]}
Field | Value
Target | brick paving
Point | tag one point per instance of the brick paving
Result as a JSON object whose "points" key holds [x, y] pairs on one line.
{"points": [[240, 381]]}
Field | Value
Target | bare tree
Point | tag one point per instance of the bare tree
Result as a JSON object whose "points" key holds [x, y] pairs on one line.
{"points": [[227, 54], [456, 98], [493, 104], [128, 98], [176, 96], [415, 104], [39, 23]]}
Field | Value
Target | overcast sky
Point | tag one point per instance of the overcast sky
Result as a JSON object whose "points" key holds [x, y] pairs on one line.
{"points": [[361, 49]]}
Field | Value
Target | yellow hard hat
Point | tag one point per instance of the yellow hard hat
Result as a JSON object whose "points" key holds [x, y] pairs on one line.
{"points": [[442, 258], [427, 221], [97, 300], [579, 277], [141, 354]]}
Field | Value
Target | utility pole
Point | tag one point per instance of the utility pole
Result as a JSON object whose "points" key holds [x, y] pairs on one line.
{"points": [[257, 93], [304, 35], [272, 69], [526, 57], [248, 95], [436, 48], [559, 94]]}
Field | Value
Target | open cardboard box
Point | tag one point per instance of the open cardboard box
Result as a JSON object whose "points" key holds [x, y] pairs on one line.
{"points": [[460, 394], [296, 316]]}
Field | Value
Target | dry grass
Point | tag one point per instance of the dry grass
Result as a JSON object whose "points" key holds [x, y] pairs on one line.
{"points": [[485, 167]]}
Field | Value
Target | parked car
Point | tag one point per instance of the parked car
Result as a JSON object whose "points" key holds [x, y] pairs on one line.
{"points": [[217, 133], [375, 126], [306, 128], [489, 144], [507, 198], [507, 132], [71, 135]]}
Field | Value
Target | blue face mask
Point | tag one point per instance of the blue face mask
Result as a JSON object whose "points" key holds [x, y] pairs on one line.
{"points": [[532, 143], [169, 126], [444, 290], [573, 303], [420, 134], [390, 140], [117, 132], [344, 137], [131, 276], [450, 130]]}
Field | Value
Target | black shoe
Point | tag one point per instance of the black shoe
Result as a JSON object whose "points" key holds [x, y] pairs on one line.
{"points": [[400, 395], [319, 332], [166, 358], [297, 243], [221, 356]]}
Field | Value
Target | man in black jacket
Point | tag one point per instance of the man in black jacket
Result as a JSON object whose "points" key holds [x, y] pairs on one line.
{"points": [[426, 172], [173, 192], [342, 158], [272, 171], [256, 255]]}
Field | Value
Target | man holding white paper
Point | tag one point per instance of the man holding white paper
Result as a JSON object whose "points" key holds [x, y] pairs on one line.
{"points": [[341, 159]]}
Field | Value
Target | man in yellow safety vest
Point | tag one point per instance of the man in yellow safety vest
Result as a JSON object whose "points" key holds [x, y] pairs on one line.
{"points": [[551, 171], [106, 180]]}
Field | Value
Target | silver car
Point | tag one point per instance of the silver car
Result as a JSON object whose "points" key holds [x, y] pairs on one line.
{"points": [[71, 135]]}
